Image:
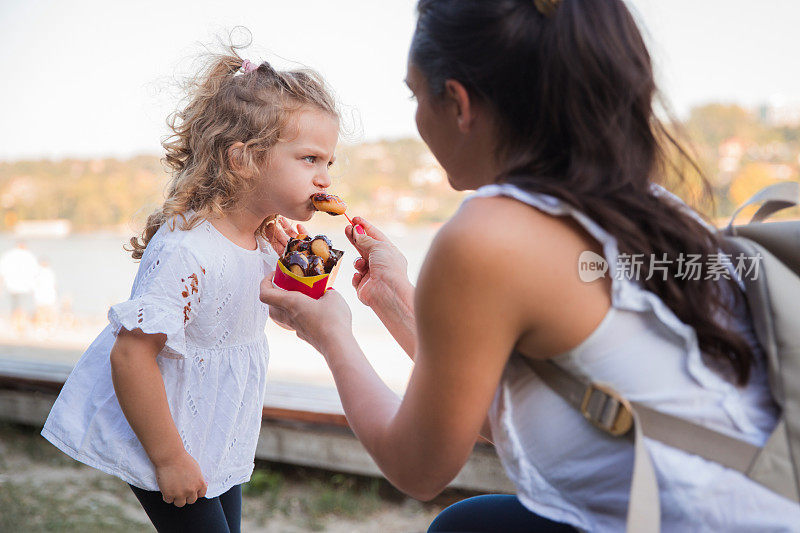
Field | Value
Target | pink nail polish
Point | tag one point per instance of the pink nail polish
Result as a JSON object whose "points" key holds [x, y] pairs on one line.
{"points": [[360, 230]]}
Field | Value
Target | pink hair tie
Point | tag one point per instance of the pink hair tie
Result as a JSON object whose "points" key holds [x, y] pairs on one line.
{"points": [[248, 66]]}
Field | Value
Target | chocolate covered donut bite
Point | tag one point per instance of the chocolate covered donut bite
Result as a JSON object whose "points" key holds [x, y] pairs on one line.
{"points": [[297, 244], [297, 263], [329, 203], [316, 266], [333, 258], [321, 246]]}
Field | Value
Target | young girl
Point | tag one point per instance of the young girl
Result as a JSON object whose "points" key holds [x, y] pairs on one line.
{"points": [[169, 396]]}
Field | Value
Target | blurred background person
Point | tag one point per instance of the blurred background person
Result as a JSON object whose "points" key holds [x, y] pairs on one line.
{"points": [[45, 296], [18, 269]]}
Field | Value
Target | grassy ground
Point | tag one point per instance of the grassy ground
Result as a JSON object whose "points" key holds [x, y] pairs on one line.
{"points": [[41, 489]]}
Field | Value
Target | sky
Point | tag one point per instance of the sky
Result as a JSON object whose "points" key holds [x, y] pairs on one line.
{"points": [[90, 78]]}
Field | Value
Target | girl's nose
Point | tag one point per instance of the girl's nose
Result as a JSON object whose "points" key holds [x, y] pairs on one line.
{"points": [[322, 179]]}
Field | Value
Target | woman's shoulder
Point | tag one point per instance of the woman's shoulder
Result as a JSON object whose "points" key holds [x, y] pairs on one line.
{"points": [[500, 227], [497, 244], [507, 251]]}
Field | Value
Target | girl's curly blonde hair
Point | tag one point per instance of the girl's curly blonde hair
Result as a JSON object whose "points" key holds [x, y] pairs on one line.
{"points": [[227, 106]]}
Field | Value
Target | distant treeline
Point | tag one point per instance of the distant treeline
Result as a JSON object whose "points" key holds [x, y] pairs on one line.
{"points": [[399, 180]]}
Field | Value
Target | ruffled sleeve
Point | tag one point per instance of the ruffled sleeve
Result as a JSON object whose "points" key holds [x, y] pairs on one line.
{"points": [[165, 298]]}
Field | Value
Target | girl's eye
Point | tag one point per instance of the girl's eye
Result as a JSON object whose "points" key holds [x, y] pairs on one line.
{"points": [[330, 164], [310, 158], [412, 96]]}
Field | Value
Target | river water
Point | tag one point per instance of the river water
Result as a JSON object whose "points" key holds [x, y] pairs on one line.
{"points": [[93, 272]]}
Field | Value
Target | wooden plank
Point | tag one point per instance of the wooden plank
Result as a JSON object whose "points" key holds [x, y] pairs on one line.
{"points": [[32, 375], [341, 451], [290, 401], [281, 398], [289, 439], [25, 407], [309, 417], [302, 397]]}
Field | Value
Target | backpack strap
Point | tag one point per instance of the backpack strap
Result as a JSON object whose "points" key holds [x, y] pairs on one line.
{"points": [[772, 198], [606, 409]]}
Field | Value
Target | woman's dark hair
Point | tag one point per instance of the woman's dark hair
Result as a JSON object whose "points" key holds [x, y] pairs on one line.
{"points": [[572, 97]]}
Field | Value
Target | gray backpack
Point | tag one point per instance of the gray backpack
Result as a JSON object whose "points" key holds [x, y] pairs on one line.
{"points": [[773, 299]]}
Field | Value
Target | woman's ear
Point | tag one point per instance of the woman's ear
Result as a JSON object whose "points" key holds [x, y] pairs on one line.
{"points": [[465, 111]]}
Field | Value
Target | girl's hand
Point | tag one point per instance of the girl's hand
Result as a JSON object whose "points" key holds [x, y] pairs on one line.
{"points": [[322, 323], [381, 271], [180, 480], [279, 231]]}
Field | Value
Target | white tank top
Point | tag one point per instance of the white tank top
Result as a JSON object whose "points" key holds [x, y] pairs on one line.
{"points": [[566, 470]]}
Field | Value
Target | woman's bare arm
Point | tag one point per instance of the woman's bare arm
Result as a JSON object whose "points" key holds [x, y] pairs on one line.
{"points": [[486, 289], [466, 329]]}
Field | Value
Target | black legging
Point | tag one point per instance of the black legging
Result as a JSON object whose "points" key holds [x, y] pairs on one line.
{"points": [[491, 513], [222, 514]]}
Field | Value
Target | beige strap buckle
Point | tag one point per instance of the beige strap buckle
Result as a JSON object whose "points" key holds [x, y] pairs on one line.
{"points": [[606, 409]]}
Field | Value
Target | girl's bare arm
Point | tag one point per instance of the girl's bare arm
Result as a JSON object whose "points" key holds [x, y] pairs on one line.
{"points": [[141, 394], [143, 399]]}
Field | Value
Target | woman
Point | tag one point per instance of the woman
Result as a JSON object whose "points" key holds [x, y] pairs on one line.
{"points": [[545, 108]]}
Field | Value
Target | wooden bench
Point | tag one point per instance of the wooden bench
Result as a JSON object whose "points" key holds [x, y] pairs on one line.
{"points": [[302, 424]]}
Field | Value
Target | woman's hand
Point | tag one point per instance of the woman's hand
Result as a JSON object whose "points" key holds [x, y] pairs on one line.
{"points": [[381, 282], [381, 271], [180, 480], [322, 323], [279, 231]]}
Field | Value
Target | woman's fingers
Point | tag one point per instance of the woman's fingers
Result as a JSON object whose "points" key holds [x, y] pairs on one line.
{"points": [[270, 294], [301, 229], [191, 499], [362, 242], [202, 492], [285, 326], [179, 502], [357, 279], [360, 264], [280, 317], [280, 301], [370, 229], [348, 232]]}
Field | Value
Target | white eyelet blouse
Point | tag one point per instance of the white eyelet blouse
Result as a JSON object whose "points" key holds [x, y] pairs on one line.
{"points": [[202, 291]]}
